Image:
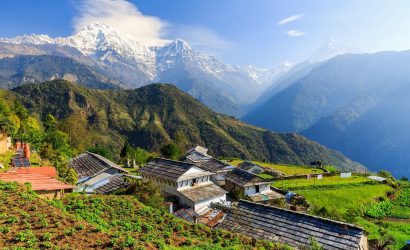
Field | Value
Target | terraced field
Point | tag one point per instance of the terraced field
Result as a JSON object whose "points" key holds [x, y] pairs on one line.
{"points": [[344, 198], [314, 183], [283, 168]]}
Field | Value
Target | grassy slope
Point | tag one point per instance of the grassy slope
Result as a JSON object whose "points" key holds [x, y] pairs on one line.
{"points": [[344, 198], [349, 198], [153, 115], [285, 169], [84, 222], [27, 221], [313, 183]]}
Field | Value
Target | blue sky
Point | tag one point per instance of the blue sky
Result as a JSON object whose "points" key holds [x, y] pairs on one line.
{"points": [[253, 32]]}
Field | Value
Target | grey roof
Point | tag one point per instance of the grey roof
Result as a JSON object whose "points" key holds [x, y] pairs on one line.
{"points": [[188, 214], [89, 165], [202, 192], [214, 165], [199, 149], [115, 182], [169, 169], [242, 178], [294, 228], [195, 156], [247, 165]]}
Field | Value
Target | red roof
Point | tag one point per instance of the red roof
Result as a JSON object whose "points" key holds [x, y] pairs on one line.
{"points": [[38, 182], [48, 171]]}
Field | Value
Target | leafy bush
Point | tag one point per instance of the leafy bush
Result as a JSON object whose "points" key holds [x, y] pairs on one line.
{"points": [[379, 210]]}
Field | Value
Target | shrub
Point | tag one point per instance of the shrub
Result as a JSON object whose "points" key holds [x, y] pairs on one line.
{"points": [[379, 210], [46, 236], [26, 236]]}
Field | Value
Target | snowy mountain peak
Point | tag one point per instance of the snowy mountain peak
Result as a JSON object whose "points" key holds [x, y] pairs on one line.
{"points": [[331, 49], [180, 44], [28, 39], [265, 76]]}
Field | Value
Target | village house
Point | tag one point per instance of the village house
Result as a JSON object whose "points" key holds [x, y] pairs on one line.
{"points": [[97, 174], [199, 156], [248, 184], [42, 180], [264, 222], [191, 185]]}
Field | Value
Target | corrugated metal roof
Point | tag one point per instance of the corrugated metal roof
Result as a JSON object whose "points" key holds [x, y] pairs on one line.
{"points": [[48, 171], [90, 164], [170, 170], [196, 156], [202, 192], [214, 165], [114, 182], [38, 182], [294, 228], [242, 178]]}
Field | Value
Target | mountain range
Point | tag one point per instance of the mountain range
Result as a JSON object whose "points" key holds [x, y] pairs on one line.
{"points": [[357, 104], [223, 87], [156, 114]]}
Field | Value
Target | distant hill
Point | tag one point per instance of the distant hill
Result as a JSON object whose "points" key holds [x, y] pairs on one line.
{"points": [[352, 103], [156, 114], [22, 69]]}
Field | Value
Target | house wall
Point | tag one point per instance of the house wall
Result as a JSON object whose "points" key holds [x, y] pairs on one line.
{"points": [[218, 179], [4, 143], [189, 183], [363, 243], [252, 189], [52, 194], [202, 204]]}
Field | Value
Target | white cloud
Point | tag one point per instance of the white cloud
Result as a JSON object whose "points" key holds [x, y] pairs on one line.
{"points": [[122, 15], [294, 33], [290, 19], [202, 38]]}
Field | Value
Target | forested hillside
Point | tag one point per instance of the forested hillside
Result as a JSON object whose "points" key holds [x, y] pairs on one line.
{"points": [[352, 103], [154, 115], [21, 69]]}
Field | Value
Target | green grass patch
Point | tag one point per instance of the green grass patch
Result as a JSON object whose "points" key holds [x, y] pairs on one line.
{"points": [[400, 213], [283, 168], [265, 176], [342, 199], [312, 183]]}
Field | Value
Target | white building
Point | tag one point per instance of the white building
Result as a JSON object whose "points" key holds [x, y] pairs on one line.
{"points": [[251, 185], [190, 184]]}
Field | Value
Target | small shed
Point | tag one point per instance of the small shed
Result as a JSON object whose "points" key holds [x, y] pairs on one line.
{"points": [[247, 183]]}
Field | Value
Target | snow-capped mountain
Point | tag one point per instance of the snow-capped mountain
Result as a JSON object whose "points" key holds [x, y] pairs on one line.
{"points": [[331, 49], [122, 57], [265, 76]]}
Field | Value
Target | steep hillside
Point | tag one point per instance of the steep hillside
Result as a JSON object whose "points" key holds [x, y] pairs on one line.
{"points": [[18, 70], [331, 86], [102, 222], [156, 114], [378, 137]]}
